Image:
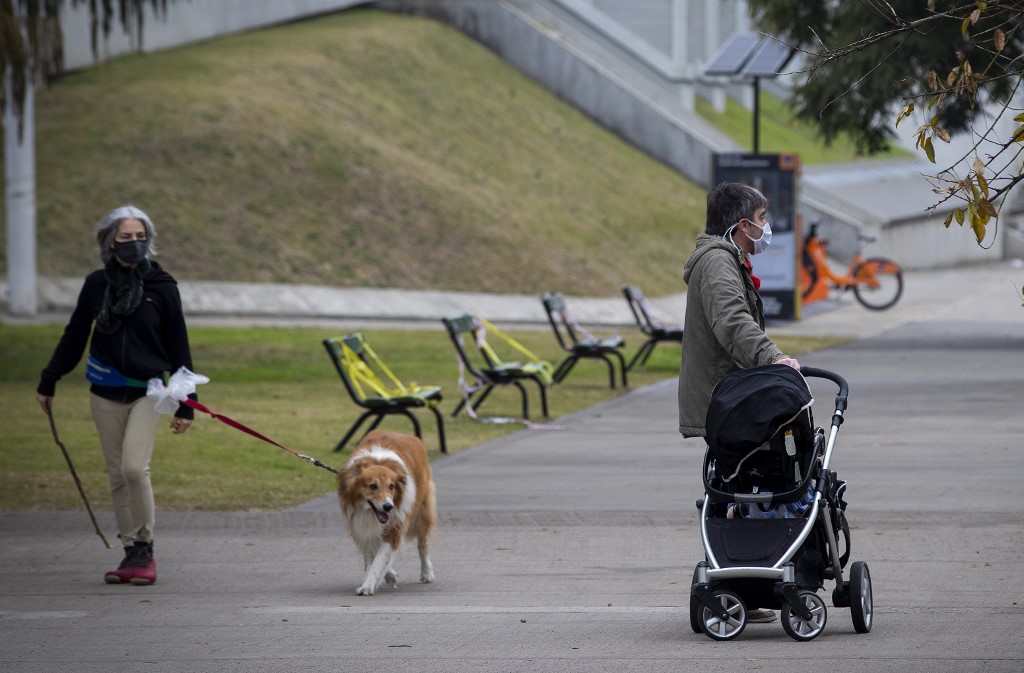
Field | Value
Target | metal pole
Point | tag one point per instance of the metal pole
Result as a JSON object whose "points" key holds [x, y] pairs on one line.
{"points": [[20, 173], [757, 115]]}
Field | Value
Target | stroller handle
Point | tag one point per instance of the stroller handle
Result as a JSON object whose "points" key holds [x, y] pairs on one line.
{"points": [[844, 388]]}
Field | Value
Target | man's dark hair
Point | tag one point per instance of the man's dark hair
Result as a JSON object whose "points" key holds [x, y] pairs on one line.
{"points": [[730, 202]]}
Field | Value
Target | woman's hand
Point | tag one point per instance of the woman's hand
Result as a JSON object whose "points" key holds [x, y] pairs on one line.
{"points": [[180, 425], [45, 401]]}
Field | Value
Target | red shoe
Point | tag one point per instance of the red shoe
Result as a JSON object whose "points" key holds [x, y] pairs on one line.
{"points": [[143, 565], [124, 572]]}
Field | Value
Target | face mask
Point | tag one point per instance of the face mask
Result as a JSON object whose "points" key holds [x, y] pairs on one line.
{"points": [[761, 244], [131, 252]]}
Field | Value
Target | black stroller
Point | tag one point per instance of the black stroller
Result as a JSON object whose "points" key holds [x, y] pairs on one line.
{"points": [[773, 519]]}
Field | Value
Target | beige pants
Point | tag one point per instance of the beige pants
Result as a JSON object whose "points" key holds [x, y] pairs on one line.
{"points": [[127, 434]]}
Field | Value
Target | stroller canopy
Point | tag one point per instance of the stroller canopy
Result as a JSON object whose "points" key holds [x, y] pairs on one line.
{"points": [[748, 407]]}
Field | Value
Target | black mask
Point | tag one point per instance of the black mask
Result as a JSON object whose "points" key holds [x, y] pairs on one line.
{"points": [[131, 252]]}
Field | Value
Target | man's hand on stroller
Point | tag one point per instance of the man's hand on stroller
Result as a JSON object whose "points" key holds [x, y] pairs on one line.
{"points": [[788, 361]]}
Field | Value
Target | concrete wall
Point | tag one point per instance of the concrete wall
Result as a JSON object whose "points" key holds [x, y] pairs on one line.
{"points": [[650, 20], [618, 99], [185, 21], [591, 30]]}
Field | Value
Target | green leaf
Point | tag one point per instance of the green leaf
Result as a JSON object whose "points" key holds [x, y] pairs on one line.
{"points": [[929, 150]]}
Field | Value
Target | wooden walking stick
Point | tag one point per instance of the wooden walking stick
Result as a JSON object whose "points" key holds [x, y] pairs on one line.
{"points": [[78, 482]]}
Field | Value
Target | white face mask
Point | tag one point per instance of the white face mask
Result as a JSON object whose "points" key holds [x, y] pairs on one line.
{"points": [[761, 244]]}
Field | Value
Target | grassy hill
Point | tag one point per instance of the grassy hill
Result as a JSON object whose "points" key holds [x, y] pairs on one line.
{"points": [[360, 149]]}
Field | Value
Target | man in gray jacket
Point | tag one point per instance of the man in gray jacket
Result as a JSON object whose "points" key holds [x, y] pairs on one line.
{"points": [[724, 316]]}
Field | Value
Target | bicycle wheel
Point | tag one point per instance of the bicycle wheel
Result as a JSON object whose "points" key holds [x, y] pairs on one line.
{"points": [[879, 283]]}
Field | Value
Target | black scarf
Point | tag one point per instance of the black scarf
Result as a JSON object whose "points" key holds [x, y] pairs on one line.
{"points": [[124, 292]]}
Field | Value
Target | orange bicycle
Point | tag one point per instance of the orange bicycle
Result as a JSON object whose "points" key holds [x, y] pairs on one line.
{"points": [[877, 282]]}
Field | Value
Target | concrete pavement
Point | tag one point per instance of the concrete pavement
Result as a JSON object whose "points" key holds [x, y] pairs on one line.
{"points": [[965, 293], [572, 550]]}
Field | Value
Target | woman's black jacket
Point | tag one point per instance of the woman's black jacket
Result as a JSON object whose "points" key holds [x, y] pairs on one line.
{"points": [[151, 341]]}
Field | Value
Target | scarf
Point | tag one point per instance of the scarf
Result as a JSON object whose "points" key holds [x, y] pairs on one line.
{"points": [[755, 279], [123, 294]]}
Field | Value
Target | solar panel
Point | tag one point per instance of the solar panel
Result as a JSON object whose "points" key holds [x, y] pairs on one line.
{"points": [[734, 54], [768, 59]]}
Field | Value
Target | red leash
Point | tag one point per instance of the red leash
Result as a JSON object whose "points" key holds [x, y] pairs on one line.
{"points": [[239, 426]]}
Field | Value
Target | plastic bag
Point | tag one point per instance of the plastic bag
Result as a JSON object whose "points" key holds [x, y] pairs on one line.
{"points": [[181, 384]]}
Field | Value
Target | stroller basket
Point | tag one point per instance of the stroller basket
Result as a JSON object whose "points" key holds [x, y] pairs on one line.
{"points": [[758, 542]]}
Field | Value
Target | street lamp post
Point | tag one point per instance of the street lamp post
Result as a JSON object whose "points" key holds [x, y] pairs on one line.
{"points": [[20, 173]]}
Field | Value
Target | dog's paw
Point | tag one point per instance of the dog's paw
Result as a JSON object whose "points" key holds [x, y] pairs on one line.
{"points": [[427, 575], [391, 579], [365, 590]]}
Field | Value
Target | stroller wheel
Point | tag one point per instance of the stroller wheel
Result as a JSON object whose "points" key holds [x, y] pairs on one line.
{"points": [[725, 629], [695, 607], [799, 628], [861, 607]]}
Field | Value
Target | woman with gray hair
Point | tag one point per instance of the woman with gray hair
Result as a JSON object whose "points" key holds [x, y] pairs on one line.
{"points": [[139, 334]]}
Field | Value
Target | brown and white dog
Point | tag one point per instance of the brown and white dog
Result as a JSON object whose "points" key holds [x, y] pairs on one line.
{"points": [[387, 495]]}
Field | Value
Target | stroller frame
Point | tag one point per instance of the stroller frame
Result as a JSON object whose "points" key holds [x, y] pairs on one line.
{"points": [[720, 613]]}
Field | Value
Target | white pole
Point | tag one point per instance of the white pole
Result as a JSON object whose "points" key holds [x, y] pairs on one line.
{"points": [[20, 172]]}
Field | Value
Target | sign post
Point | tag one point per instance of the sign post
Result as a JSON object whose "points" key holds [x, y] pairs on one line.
{"points": [[777, 177]]}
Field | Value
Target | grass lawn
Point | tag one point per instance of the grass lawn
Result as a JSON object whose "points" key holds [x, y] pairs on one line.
{"points": [[780, 132], [280, 383]]}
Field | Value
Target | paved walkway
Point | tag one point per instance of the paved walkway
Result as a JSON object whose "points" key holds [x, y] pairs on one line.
{"points": [[963, 293], [572, 550]]}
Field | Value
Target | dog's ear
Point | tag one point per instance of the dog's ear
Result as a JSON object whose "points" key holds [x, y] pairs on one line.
{"points": [[356, 467], [403, 480], [348, 475]]}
